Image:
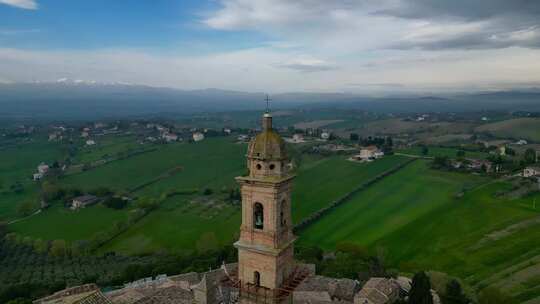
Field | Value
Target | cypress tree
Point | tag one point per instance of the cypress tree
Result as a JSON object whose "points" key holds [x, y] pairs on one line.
{"points": [[420, 289]]}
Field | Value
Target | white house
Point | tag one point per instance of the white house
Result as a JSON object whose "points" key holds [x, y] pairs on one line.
{"points": [[83, 201], [90, 142], [369, 153], [325, 135], [521, 142], [531, 172], [84, 134], [170, 137], [198, 136], [242, 137], [43, 168], [37, 176]]}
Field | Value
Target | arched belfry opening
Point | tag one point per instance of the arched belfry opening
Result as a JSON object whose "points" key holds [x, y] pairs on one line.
{"points": [[258, 216], [257, 279]]}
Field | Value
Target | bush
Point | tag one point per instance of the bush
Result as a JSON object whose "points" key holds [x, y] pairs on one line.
{"points": [[115, 203]]}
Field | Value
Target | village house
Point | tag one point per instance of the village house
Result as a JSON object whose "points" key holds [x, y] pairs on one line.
{"points": [[83, 201], [531, 172], [369, 153], [43, 168], [54, 136], [297, 138], [325, 135], [480, 165], [227, 131], [169, 137], [198, 136], [243, 137], [90, 142], [85, 134]]}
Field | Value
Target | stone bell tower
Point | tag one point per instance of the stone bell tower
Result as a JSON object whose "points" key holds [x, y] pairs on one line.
{"points": [[265, 247]]}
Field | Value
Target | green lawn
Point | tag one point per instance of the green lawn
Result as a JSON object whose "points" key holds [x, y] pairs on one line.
{"points": [[58, 222]]}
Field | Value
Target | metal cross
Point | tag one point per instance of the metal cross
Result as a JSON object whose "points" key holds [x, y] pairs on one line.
{"points": [[267, 99]]}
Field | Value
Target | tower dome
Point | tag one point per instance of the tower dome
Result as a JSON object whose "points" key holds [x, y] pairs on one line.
{"points": [[267, 145]]}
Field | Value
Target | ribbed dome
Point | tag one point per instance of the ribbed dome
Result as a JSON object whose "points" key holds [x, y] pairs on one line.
{"points": [[268, 145]]}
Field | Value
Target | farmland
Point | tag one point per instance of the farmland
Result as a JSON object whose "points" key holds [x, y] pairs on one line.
{"points": [[423, 219], [519, 128], [442, 151], [17, 165]]}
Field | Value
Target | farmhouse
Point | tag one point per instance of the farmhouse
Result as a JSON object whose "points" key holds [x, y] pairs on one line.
{"points": [[325, 135], [170, 137], [369, 153], [83, 201], [198, 136], [480, 165], [531, 172]]}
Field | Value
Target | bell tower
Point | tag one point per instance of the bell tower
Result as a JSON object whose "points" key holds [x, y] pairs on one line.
{"points": [[265, 247]]}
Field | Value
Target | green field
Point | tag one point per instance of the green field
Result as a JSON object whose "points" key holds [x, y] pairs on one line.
{"points": [[442, 151], [17, 164], [180, 225], [322, 181], [210, 163], [420, 222], [519, 128], [58, 222]]}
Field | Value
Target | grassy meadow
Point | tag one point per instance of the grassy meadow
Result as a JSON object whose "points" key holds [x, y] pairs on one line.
{"points": [[18, 163], [321, 181], [58, 222], [423, 219]]}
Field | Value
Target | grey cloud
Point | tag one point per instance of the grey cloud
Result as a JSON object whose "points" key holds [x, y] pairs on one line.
{"points": [[306, 67]]}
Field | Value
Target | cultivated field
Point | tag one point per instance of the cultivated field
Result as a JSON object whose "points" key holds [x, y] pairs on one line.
{"points": [[425, 219], [519, 128]]}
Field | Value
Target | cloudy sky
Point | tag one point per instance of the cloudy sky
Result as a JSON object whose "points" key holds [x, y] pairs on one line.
{"points": [[275, 45]]}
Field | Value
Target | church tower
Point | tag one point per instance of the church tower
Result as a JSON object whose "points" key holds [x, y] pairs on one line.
{"points": [[265, 247]]}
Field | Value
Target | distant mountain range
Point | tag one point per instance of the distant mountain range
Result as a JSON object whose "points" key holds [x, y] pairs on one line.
{"points": [[67, 99]]}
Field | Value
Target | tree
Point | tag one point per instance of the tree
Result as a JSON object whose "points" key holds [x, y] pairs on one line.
{"points": [[40, 246], [58, 248], [115, 203], [460, 154], [420, 289], [207, 242], [26, 208], [492, 295], [353, 137], [530, 156], [424, 150], [440, 162], [454, 294]]}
